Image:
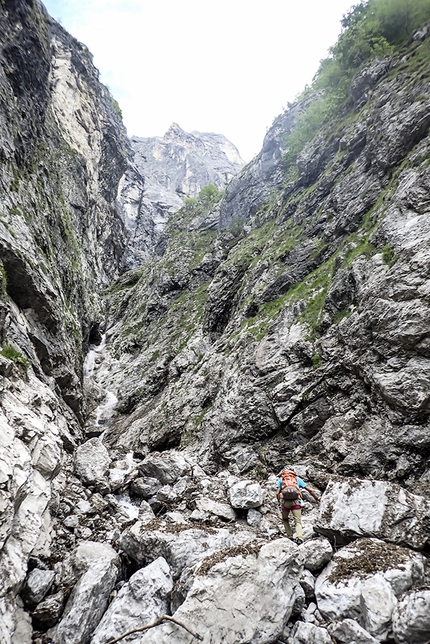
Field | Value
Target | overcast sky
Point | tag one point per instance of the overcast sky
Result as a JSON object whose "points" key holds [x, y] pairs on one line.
{"points": [[224, 66]]}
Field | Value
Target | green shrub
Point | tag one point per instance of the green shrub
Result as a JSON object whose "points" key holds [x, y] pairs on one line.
{"points": [[372, 28], [389, 256], [13, 354], [210, 194], [3, 280], [316, 360], [116, 107]]}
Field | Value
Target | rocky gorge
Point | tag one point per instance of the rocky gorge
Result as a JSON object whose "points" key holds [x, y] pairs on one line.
{"points": [[168, 348]]}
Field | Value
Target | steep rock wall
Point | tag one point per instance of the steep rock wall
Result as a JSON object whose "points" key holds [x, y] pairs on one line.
{"points": [[63, 150], [176, 166]]}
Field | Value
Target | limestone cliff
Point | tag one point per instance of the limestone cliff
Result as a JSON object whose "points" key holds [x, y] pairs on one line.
{"points": [[283, 321]]}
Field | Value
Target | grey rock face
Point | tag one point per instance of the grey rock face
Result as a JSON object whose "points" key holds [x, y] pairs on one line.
{"points": [[180, 164], [165, 171], [264, 174], [286, 324]]}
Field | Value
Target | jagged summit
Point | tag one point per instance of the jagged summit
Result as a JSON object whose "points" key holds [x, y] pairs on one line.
{"points": [[180, 163], [166, 170]]}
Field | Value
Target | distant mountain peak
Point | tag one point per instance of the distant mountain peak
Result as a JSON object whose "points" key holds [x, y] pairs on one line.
{"points": [[182, 163]]}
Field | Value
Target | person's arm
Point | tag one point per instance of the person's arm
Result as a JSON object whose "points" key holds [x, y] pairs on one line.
{"points": [[278, 492], [313, 493]]}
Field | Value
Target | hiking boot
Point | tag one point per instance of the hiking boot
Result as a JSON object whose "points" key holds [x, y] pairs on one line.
{"points": [[299, 542]]}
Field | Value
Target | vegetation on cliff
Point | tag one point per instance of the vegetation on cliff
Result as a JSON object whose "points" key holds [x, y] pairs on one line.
{"points": [[371, 29]]}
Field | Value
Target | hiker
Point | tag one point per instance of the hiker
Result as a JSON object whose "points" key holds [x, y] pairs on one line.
{"points": [[289, 499]]}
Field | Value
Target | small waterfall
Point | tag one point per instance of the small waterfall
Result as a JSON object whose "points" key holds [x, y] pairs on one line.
{"points": [[127, 506], [90, 358], [105, 410]]}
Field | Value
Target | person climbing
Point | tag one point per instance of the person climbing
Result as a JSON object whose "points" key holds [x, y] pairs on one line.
{"points": [[289, 499]]}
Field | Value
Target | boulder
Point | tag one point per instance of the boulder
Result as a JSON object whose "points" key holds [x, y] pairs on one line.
{"points": [[253, 518], [47, 613], [364, 580], [83, 557], [355, 508], [221, 510], [307, 582], [86, 604], [317, 552], [215, 609], [167, 467], [92, 462], [245, 494], [180, 547], [307, 633], [166, 494], [411, 618], [37, 585], [47, 457], [140, 601], [348, 630], [146, 487]]}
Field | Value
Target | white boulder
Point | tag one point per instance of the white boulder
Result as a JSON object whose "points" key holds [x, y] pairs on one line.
{"points": [[167, 467], [92, 462], [83, 557], [254, 518], [307, 582], [36, 585], [364, 580], [245, 494], [245, 599], [222, 510], [86, 604], [411, 618], [307, 633], [140, 601], [355, 507], [317, 552], [348, 630]]}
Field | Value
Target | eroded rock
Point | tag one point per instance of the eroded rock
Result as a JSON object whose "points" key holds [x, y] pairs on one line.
{"points": [[258, 613], [86, 604], [92, 462], [245, 494], [139, 602], [353, 507], [411, 617], [364, 580]]}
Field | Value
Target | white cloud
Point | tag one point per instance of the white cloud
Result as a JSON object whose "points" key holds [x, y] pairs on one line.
{"points": [[227, 66]]}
